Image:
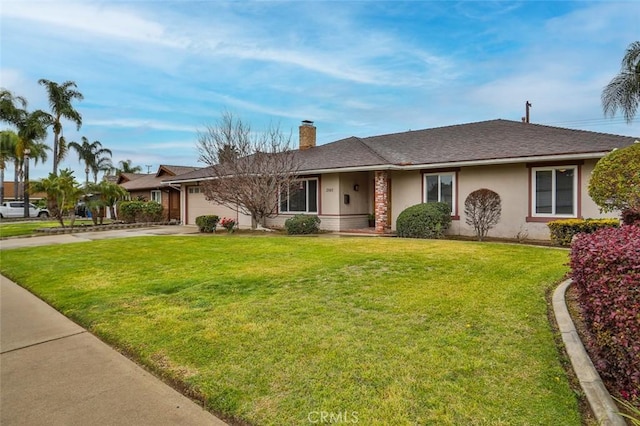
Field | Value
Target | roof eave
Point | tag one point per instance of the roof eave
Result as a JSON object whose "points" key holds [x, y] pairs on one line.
{"points": [[421, 166], [469, 163]]}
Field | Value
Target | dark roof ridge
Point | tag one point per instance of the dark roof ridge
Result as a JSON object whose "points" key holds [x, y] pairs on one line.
{"points": [[574, 130], [372, 150], [497, 120], [435, 128]]}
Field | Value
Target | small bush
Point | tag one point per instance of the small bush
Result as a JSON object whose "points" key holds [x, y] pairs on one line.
{"points": [[140, 211], [302, 224], [563, 231], [630, 216], [151, 212], [606, 272], [426, 220], [482, 209], [129, 210], [207, 223]]}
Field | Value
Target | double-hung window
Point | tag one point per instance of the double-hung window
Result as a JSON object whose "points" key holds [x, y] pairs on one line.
{"points": [[440, 187], [554, 191], [156, 196], [300, 197]]}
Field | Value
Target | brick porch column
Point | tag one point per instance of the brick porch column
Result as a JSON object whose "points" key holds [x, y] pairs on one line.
{"points": [[381, 202]]}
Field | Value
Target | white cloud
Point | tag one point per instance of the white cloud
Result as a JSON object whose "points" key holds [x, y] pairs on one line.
{"points": [[105, 20], [139, 123]]}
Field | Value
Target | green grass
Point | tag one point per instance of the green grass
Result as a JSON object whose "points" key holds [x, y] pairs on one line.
{"points": [[17, 229], [271, 329]]}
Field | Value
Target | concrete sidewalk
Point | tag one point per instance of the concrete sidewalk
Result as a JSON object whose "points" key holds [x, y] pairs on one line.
{"points": [[79, 237], [54, 372]]}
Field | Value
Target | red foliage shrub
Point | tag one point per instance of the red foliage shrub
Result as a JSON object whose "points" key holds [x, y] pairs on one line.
{"points": [[606, 272]]}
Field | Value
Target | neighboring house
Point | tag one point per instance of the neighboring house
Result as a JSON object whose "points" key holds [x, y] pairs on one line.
{"points": [[10, 192], [151, 187], [540, 172]]}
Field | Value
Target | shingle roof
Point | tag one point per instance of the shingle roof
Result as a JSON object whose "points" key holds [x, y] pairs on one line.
{"points": [[139, 181], [485, 140]]}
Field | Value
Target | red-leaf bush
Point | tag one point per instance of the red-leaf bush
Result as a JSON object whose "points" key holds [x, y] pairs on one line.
{"points": [[606, 272]]}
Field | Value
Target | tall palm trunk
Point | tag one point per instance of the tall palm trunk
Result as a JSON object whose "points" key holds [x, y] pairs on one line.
{"points": [[15, 179], [2, 184]]}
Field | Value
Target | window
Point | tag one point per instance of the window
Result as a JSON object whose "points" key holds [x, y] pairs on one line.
{"points": [[300, 197], [194, 190], [441, 187], [554, 191], [156, 196]]}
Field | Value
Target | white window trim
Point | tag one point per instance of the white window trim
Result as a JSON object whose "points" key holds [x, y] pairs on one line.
{"points": [[454, 195], [156, 191], [553, 191], [306, 211]]}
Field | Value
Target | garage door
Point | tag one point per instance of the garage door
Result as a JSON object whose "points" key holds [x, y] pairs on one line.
{"points": [[197, 205]]}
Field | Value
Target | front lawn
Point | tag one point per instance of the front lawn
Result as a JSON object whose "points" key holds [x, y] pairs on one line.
{"points": [[278, 330], [24, 228]]}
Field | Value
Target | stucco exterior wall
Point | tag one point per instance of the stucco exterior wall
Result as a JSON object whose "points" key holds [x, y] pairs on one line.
{"points": [[406, 191], [329, 194], [510, 181]]}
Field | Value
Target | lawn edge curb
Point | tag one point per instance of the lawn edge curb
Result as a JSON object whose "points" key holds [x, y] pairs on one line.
{"points": [[602, 405]]}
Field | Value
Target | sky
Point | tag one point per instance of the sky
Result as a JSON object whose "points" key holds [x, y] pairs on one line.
{"points": [[155, 73]]}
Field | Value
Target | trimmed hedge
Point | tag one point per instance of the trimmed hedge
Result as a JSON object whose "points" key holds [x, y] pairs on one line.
{"points": [[606, 271], [207, 223], [140, 211], [426, 220], [563, 231], [302, 224]]}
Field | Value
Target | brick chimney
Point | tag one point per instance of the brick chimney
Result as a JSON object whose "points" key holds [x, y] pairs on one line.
{"points": [[307, 135]]}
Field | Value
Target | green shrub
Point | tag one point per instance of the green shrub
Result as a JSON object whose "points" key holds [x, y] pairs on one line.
{"points": [[427, 220], [302, 224], [140, 211], [151, 212], [207, 223], [563, 231], [615, 180], [130, 211]]}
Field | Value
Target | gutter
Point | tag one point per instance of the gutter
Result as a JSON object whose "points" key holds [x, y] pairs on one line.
{"points": [[469, 163]]}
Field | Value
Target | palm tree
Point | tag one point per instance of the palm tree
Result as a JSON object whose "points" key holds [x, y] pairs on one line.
{"points": [[8, 144], [63, 192], [103, 164], [32, 130], [127, 167], [89, 153], [8, 107], [60, 98], [109, 194], [623, 91]]}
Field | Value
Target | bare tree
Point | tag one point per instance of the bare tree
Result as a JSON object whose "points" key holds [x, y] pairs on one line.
{"points": [[247, 170], [482, 208]]}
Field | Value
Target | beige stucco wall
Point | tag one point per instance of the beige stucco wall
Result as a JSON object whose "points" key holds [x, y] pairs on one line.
{"points": [[406, 191], [510, 181], [334, 214]]}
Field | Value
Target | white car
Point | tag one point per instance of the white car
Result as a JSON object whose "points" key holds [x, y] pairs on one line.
{"points": [[16, 209]]}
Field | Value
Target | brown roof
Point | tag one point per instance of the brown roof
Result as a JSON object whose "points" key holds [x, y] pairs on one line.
{"points": [[501, 140], [139, 181]]}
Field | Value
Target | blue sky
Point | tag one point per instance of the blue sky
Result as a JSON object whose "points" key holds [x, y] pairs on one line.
{"points": [[155, 72]]}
